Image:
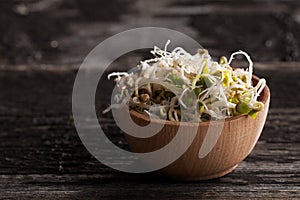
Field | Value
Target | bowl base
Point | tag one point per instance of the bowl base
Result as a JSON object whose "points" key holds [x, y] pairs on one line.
{"points": [[211, 176]]}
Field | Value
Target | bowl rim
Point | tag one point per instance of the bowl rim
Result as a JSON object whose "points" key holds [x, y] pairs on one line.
{"points": [[264, 97]]}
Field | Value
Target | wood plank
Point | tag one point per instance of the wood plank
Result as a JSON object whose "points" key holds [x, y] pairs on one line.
{"points": [[41, 154], [135, 186]]}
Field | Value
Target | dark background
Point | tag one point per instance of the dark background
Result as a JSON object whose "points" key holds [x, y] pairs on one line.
{"points": [[42, 44], [64, 31]]}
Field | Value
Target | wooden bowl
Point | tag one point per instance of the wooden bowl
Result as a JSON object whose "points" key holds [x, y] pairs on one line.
{"points": [[237, 139]]}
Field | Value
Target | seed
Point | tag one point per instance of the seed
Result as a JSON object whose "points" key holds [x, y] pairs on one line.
{"points": [[135, 100], [244, 79], [145, 90], [145, 98], [223, 60], [243, 108], [253, 113], [162, 111], [258, 106]]}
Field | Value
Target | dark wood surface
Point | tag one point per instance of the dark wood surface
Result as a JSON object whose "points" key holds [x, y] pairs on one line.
{"points": [[42, 44], [42, 157]]}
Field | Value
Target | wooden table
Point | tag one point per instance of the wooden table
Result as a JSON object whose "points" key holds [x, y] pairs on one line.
{"points": [[42, 157]]}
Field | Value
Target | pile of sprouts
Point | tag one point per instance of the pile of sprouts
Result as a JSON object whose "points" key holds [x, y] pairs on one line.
{"points": [[171, 78]]}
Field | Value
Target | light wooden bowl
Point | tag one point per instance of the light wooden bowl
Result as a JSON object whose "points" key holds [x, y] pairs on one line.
{"points": [[238, 138]]}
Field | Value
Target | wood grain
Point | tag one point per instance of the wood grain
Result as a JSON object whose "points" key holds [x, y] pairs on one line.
{"points": [[41, 155]]}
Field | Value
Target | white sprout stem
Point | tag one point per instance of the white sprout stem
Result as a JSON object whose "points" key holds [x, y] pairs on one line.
{"points": [[170, 115], [176, 116], [117, 74], [259, 87], [180, 98], [136, 86], [166, 46], [237, 87], [249, 60], [223, 96], [150, 60], [204, 104], [203, 62], [186, 80], [206, 91], [190, 68], [187, 69], [262, 85], [202, 92], [106, 110], [115, 106], [152, 115]]}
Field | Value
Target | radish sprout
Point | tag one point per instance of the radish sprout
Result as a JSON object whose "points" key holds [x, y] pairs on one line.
{"points": [[220, 90]]}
